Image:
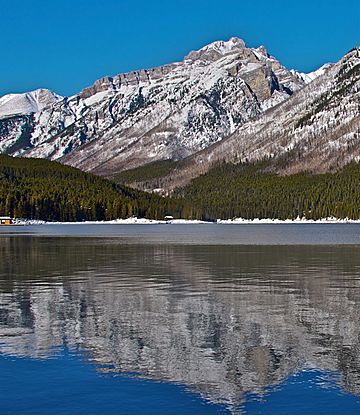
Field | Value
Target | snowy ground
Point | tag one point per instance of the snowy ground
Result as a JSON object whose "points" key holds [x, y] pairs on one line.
{"points": [[279, 221], [143, 221]]}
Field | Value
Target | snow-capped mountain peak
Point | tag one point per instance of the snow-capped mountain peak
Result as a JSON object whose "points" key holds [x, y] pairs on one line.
{"points": [[316, 130], [309, 77], [135, 118], [27, 103], [224, 47], [261, 52], [217, 49]]}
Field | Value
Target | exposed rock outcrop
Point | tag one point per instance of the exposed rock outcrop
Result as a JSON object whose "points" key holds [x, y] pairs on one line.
{"points": [[168, 112]]}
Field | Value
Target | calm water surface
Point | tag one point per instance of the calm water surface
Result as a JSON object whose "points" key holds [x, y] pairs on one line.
{"points": [[186, 319]]}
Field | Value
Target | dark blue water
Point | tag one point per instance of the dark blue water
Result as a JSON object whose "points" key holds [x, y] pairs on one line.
{"points": [[307, 392], [68, 384], [116, 322]]}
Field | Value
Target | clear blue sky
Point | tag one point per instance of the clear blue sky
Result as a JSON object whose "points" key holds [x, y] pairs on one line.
{"points": [[66, 45]]}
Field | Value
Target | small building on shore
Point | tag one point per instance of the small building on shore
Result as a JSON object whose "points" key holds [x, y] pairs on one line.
{"points": [[168, 219], [6, 220]]}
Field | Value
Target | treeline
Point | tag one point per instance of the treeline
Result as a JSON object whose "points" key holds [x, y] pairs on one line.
{"points": [[47, 190], [41, 189], [229, 191]]}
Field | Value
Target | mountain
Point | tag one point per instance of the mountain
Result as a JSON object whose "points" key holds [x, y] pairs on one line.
{"points": [[169, 112], [224, 102], [316, 130], [30, 102]]}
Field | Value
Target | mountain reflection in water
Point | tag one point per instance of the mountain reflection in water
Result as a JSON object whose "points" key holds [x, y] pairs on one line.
{"points": [[226, 321]]}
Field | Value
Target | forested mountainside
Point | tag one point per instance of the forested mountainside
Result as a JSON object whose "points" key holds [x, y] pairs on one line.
{"points": [[254, 190], [46, 190], [135, 118], [246, 191]]}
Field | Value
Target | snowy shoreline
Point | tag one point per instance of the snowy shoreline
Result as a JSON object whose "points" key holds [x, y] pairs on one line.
{"points": [[236, 221]]}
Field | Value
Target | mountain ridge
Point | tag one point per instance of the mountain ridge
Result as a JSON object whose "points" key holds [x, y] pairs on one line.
{"points": [[176, 109], [315, 130], [27, 103], [224, 101]]}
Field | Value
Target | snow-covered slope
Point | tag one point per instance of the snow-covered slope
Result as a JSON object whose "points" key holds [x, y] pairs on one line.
{"points": [[29, 102], [308, 77], [168, 112], [317, 129]]}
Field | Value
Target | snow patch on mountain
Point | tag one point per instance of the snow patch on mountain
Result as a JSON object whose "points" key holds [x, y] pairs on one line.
{"points": [[309, 77], [221, 47], [27, 103]]}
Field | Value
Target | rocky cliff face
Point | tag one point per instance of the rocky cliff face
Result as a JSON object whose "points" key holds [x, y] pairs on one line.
{"points": [[317, 129], [24, 104], [168, 112]]}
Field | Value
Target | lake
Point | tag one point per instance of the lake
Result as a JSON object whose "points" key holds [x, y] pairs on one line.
{"points": [[180, 319]]}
